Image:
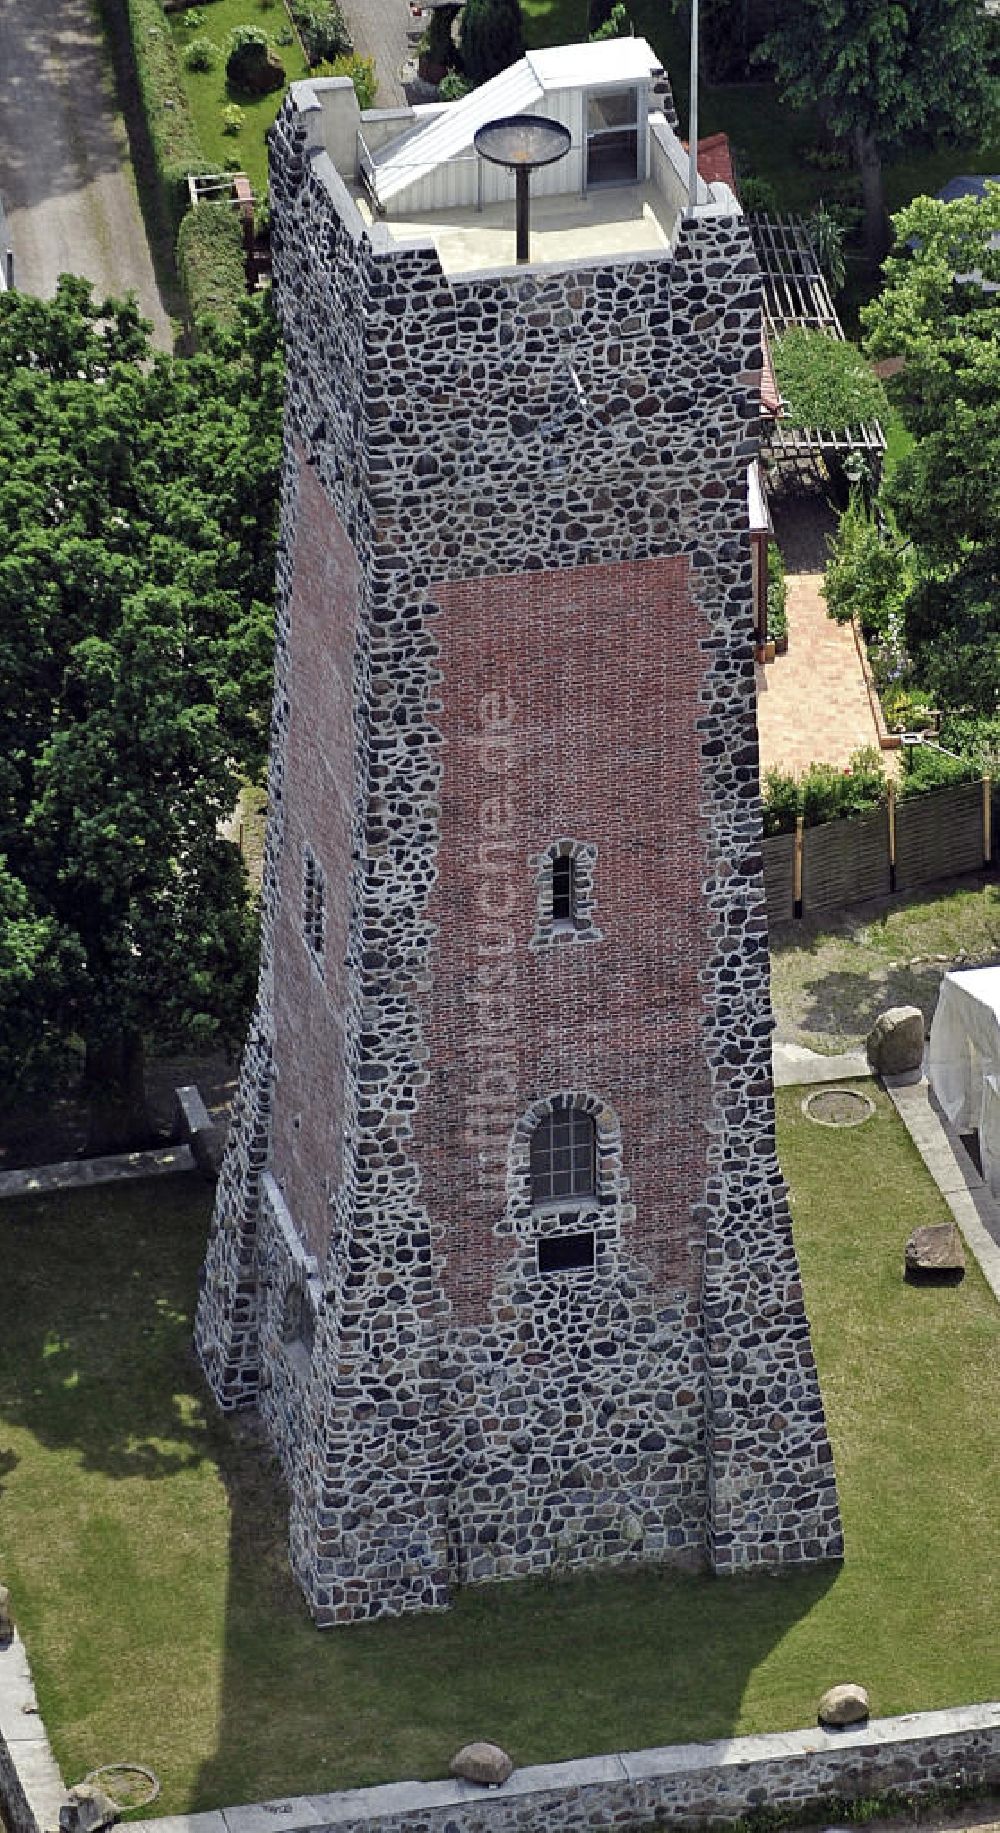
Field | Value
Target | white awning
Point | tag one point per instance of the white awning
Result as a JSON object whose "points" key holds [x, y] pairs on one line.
{"points": [[964, 1059]]}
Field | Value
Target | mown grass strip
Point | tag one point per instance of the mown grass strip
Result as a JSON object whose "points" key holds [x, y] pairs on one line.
{"points": [[144, 1537]]}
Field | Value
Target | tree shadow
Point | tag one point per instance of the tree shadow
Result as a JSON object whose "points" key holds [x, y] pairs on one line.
{"points": [[98, 1311], [95, 1359], [846, 1002]]}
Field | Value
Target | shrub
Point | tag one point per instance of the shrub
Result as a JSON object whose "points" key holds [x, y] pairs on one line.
{"points": [[492, 37], [825, 382], [777, 592], [210, 261], [925, 768], [616, 25], [247, 38], [201, 54], [866, 574], [823, 792], [759, 194], [361, 71], [252, 66], [193, 19], [827, 234], [172, 132], [454, 86], [322, 29], [233, 119]]}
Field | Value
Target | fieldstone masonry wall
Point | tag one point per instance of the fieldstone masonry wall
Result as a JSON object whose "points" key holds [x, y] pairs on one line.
{"points": [[926, 1755], [514, 605]]}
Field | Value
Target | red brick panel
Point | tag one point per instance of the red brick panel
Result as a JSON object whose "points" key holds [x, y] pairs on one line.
{"points": [[309, 1006], [570, 700]]}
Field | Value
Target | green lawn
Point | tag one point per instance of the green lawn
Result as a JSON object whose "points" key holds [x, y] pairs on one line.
{"points": [[209, 94], [143, 1537]]}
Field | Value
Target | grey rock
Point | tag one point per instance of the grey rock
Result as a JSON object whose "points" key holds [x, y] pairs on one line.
{"points": [[87, 1809], [895, 1043], [482, 1762], [844, 1705], [937, 1249]]}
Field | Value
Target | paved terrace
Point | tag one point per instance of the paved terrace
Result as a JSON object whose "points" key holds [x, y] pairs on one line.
{"points": [[812, 704], [625, 220]]}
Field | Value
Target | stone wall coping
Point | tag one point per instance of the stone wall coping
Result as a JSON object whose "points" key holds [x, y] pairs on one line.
{"points": [[369, 1805], [77, 1173]]}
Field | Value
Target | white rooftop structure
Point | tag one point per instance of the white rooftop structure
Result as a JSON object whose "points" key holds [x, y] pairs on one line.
{"points": [[414, 174], [602, 93], [543, 83]]}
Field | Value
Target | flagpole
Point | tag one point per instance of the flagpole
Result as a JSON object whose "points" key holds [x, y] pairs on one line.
{"points": [[693, 114]]}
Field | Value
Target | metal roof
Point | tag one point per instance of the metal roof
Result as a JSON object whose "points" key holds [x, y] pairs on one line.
{"points": [[588, 66], [514, 92]]}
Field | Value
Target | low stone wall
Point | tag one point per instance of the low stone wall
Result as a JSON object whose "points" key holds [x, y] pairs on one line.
{"points": [[15, 1814], [928, 1753]]}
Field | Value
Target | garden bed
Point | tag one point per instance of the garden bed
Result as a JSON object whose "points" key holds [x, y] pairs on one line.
{"points": [[144, 1536], [209, 95]]}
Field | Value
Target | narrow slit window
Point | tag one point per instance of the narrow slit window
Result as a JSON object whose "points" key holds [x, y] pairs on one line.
{"points": [[314, 905], [563, 889], [563, 1156]]}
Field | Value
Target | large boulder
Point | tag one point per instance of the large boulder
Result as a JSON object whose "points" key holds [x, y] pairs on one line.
{"points": [[482, 1762], [935, 1252], [843, 1705], [895, 1043]]}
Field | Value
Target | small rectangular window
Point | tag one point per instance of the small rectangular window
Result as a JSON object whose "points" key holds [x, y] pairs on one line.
{"points": [[566, 1253]]}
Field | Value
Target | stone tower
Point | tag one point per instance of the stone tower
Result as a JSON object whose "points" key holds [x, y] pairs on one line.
{"points": [[501, 1250]]}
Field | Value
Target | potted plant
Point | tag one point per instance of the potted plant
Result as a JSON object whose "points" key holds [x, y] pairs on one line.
{"points": [[777, 612]]}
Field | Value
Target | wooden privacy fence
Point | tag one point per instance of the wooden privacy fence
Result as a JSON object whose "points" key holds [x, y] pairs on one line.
{"points": [[895, 847]]}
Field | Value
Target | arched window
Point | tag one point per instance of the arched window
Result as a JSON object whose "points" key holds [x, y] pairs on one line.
{"points": [[563, 1156]]}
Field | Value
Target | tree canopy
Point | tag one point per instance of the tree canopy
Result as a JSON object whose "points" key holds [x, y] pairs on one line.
{"points": [[137, 529], [492, 37], [938, 315], [884, 74]]}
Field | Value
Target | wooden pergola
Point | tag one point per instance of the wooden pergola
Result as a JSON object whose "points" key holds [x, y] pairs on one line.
{"points": [[796, 295]]}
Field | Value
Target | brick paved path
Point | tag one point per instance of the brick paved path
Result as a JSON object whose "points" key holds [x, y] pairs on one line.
{"points": [[812, 704]]}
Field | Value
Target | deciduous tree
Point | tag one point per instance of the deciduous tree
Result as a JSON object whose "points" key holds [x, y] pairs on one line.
{"points": [[137, 528], [940, 313], [885, 74]]}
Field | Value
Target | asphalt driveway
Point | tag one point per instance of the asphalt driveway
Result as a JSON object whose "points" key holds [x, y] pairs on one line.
{"points": [[65, 174]]}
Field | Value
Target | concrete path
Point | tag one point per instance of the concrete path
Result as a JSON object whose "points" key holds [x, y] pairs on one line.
{"points": [[65, 171], [968, 1197], [23, 1733]]}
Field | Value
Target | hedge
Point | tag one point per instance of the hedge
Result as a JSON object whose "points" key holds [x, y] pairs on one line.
{"points": [[210, 260], [172, 132], [825, 793]]}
